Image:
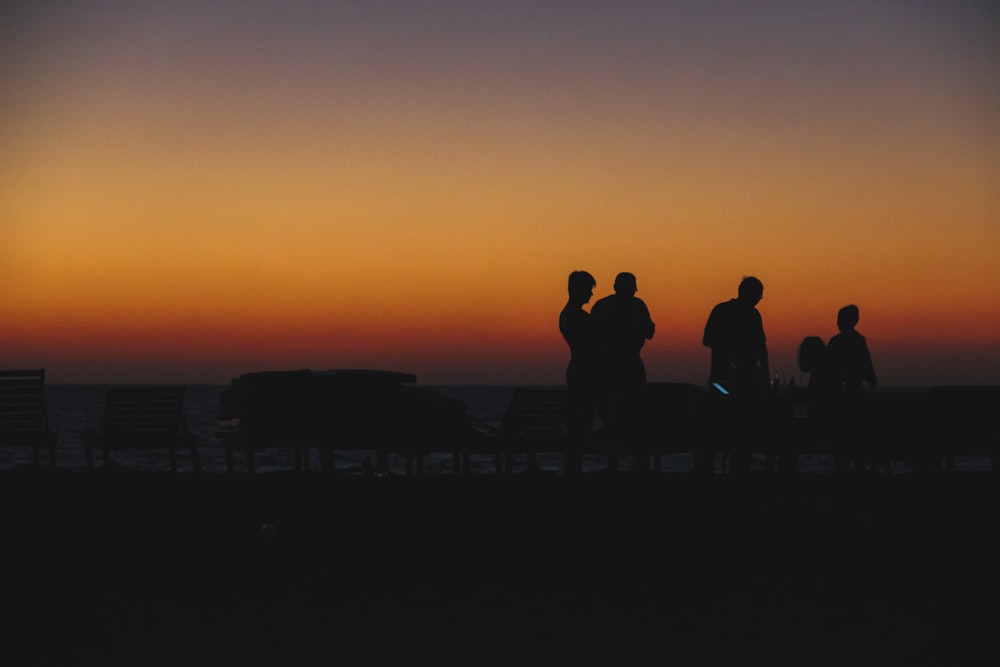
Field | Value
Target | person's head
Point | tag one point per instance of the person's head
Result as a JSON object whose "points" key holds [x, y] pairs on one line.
{"points": [[848, 317], [811, 351], [625, 284], [751, 290], [581, 286]]}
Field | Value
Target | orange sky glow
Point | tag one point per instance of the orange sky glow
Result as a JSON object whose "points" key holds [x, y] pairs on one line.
{"points": [[194, 190]]}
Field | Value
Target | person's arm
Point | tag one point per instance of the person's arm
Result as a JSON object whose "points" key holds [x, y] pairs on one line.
{"points": [[869, 367], [709, 337], [762, 356], [649, 327]]}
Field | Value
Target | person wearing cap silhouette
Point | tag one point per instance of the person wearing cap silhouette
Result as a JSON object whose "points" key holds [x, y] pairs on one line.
{"points": [[623, 326]]}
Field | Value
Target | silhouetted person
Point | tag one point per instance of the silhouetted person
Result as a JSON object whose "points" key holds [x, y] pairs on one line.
{"points": [[623, 325], [735, 334], [822, 397], [814, 359], [850, 355], [582, 371], [852, 364]]}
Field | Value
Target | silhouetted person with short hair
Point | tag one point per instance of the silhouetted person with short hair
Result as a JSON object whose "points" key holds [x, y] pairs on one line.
{"points": [[852, 364], [624, 325], [850, 355], [582, 371], [735, 334]]}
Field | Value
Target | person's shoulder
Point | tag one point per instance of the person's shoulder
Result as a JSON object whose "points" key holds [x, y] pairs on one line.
{"points": [[851, 337], [722, 305], [602, 302], [718, 311]]}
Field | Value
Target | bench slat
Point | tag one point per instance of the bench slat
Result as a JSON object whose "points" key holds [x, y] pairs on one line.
{"points": [[24, 414], [143, 418]]}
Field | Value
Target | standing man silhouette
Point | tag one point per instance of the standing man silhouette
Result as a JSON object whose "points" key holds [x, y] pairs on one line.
{"points": [[735, 334], [852, 364], [623, 325], [581, 372], [849, 353]]}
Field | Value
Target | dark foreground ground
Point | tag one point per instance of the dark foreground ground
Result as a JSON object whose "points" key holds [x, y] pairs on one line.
{"points": [[285, 569]]}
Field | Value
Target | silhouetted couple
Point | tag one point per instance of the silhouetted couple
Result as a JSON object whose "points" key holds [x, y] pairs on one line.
{"points": [[842, 366], [606, 367], [840, 374]]}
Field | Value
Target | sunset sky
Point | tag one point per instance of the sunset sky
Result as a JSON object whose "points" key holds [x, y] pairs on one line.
{"points": [[192, 190]]}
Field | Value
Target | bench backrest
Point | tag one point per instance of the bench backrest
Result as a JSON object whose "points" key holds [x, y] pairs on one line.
{"points": [[535, 412], [144, 412], [22, 401]]}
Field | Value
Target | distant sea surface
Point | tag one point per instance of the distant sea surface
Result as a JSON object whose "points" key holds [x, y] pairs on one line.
{"points": [[75, 408]]}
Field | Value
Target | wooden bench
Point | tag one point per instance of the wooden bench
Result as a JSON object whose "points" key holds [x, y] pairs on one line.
{"points": [[664, 417], [340, 410], [24, 418], [267, 410], [142, 418], [534, 423]]}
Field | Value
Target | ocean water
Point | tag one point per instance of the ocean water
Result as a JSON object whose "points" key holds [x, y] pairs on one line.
{"points": [[76, 408]]}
